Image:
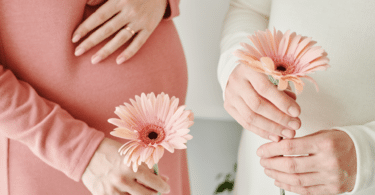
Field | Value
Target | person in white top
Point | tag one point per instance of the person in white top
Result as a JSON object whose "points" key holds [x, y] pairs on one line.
{"points": [[335, 126]]}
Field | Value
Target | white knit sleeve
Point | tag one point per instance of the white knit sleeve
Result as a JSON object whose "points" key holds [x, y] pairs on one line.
{"points": [[363, 137], [243, 18]]}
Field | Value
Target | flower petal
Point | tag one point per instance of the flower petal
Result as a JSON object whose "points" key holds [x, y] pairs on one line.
{"points": [[268, 63], [283, 84], [124, 133]]}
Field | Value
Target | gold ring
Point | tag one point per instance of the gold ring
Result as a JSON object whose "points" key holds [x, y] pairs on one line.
{"points": [[130, 30]]}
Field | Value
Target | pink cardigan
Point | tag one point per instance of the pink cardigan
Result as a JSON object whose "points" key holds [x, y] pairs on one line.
{"points": [[56, 105]]}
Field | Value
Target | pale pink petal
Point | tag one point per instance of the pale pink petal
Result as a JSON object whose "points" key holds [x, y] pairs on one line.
{"points": [[159, 151], [311, 55], [243, 55], [278, 36], [252, 51], [284, 44], [268, 63], [257, 44], [178, 143], [255, 65], [263, 41], [283, 84], [124, 133], [172, 108], [306, 49], [167, 146], [176, 115], [188, 137], [271, 42], [293, 45], [301, 46], [117, 122], [312, 81]]}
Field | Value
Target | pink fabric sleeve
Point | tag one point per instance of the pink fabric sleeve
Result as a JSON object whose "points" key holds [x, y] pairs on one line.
{"points": [[49, 131], [173, 8]]}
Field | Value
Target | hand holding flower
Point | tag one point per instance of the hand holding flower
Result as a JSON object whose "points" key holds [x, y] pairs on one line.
{"points": [[107, 174], [255, 103], [328, 164]]}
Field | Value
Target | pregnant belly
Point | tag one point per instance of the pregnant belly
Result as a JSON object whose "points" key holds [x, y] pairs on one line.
{"points": [[37, 41]]}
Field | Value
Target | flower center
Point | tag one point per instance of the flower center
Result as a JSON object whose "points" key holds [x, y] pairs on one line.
{"points": [[152, 134], [281, 68]]}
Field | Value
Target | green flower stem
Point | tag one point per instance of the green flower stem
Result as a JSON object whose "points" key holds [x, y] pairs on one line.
{"points": [[156, 171], [276, 82]]}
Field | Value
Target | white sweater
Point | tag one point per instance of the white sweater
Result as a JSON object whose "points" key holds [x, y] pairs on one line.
{"points": [[346, 99]]}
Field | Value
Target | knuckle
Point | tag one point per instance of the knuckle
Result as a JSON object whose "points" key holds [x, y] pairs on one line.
{"points": [[336, 189], [101, 16], [123, 38], [108, 31], [287, 147], [256, 104], [89, 44], [263, 89], [327, 144], [250, 118], [291, 165], [297, 181]]}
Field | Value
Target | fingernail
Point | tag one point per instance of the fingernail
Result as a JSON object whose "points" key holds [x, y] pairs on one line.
{"points": [[76, 38], [294, 124], [260, 152], [79, 51], [288, 133], [166, 178], [293, 111], [274, 138], [120, 60], [95, 59], [267, 172]]}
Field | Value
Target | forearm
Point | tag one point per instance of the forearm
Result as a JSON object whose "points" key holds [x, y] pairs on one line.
{"points": [[243, 18], [50, 132]]}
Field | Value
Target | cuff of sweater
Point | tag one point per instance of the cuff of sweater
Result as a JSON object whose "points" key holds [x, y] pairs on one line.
{"points": [[95, 140], [363, 137]]}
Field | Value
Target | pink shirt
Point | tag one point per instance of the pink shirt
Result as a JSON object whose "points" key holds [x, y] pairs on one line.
{"points": [[54, 106]]}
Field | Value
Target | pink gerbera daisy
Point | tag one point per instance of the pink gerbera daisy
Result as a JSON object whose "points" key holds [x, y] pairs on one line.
{"points": [[151, 124], [285, 57]]}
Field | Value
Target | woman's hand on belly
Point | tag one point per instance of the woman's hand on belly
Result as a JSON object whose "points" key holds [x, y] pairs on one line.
{"points": [[107, 174], [135, 19]]}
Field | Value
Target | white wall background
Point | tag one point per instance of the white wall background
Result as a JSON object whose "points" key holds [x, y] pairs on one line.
{"points": [[213, 149], [199, 26]]}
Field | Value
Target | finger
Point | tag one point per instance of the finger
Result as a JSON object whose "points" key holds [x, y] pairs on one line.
{"points": [[153, 181], [262, 133], [296, 146], [262, 122], [121, 38], [134, 46], [100, 34], [318, 189], [289, 164], [136, 188], [291, 94], [270, 92], [106, 11], [265, 108], [297, 179]]}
